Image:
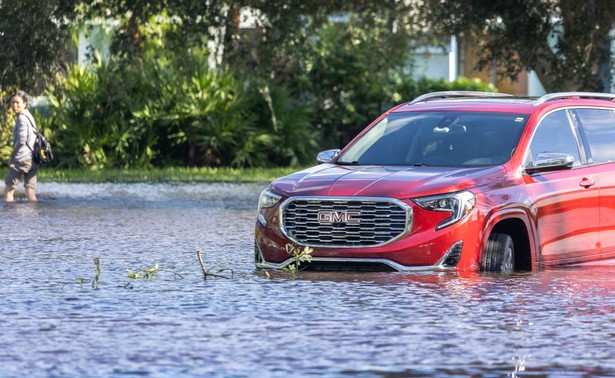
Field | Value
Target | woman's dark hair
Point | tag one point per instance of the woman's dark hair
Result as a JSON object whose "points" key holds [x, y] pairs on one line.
{"points": [[24, 96]]}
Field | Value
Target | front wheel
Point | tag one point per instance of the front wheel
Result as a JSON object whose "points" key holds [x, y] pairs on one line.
{"points": [[499, 256]]}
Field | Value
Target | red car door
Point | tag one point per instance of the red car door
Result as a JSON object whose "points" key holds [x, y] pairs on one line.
{"points": [[565, 203], [598, 127]]}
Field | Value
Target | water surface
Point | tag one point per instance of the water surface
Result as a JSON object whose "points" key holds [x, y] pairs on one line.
{"points": [[554, 323]]}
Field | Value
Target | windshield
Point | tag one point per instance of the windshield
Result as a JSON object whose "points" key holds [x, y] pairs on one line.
{"points": [[438, 139]]}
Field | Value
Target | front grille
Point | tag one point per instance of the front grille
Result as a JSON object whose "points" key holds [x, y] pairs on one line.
{"points": [[345, 222]]}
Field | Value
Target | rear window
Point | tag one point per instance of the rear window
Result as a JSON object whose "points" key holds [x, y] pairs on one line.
{"points": [[438, 139]]}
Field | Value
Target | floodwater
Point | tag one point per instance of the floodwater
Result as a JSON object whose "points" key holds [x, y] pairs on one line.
{"points": [[60, 317]]}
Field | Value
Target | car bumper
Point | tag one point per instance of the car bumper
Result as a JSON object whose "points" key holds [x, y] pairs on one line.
{"points": [[355, 263]]}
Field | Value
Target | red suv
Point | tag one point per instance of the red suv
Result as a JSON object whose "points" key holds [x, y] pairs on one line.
{"points": [[455, 181]]}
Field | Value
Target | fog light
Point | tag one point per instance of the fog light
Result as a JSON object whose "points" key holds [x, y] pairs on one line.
{"points": [[452, 256], [258, 257]]}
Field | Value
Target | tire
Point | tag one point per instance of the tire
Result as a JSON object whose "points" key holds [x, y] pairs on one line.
{"points": [[499, 256]]}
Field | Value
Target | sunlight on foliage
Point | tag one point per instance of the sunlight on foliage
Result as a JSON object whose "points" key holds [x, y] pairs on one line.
{"points": [[96, 280], [299, 255], [143, 273]]}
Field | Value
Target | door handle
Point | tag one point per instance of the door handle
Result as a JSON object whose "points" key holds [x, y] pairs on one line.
{"points": [[587, 182]]}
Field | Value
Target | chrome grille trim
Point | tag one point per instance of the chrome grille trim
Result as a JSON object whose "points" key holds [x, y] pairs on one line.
{"points": [[381, 220], [392, 264]]}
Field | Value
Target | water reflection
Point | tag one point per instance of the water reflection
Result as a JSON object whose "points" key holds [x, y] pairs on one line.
{"points": [[550, 323]]}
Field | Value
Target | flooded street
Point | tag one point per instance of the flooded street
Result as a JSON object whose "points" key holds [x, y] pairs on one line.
{"points": [[60, 317]]}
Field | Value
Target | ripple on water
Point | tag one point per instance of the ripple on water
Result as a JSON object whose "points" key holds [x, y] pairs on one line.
{"points": [[550, 323]]}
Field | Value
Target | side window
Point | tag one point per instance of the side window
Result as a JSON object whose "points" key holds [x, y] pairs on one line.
{"points": [[599, 127], [554, 134]]}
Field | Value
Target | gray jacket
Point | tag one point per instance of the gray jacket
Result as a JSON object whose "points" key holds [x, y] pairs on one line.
{"points": [[23, 133]]}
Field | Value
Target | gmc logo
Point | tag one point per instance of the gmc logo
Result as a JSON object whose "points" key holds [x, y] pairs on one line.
{"points": [[330, 217]]}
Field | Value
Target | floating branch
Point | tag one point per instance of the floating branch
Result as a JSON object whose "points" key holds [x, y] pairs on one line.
{"points": [[143, 273], [149, 273], [96, 280], [205, 272]]}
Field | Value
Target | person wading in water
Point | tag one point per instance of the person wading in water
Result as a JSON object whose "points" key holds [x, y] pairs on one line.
{"points": [[21, 163]]}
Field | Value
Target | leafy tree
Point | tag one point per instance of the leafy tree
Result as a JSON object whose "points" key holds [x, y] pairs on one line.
{"points": [[335, 55], [286, 26], [349, 74], [33, 41], [33, 38], [566, 42], [194, 23]]}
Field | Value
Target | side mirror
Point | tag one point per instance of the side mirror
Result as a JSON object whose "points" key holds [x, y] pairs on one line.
{"points": [[327, 156], [550, 161]]}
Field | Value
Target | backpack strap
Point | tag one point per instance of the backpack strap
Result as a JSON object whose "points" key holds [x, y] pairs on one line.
{"points": [[32, 124]]}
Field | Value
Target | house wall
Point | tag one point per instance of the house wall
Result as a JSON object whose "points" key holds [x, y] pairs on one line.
{"points": [[469, 57], [459, 59]]}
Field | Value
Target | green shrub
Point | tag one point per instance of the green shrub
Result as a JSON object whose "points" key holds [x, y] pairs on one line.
{"points": [[80, 114], [145, 113], [407, 87], [7, 121], [285, 135], [148, 113], [349, 70], [207, 120]]}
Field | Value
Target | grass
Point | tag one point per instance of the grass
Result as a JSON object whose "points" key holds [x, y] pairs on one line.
{"points": [[176, 174]]}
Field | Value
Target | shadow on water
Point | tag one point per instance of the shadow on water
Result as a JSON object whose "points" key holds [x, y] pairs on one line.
{"points": [[551, 323]]}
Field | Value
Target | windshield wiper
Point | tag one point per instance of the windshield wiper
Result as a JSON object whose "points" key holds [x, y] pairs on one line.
{"points": [[355, 162]]}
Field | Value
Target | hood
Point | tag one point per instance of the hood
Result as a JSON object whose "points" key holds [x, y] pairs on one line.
{"points": [[378, 181]]}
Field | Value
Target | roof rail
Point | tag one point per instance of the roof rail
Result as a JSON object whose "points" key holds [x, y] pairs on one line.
{"points": [[565, 95], [449, 94]]}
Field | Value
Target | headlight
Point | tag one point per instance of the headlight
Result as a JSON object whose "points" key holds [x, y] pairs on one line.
{"points": [[266, 200], [458, 204]]}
